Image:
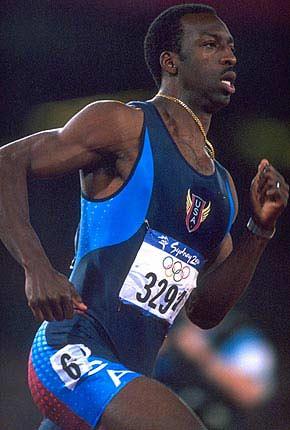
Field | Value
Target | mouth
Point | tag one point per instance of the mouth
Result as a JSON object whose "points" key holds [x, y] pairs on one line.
{"points": [[227, 82]]}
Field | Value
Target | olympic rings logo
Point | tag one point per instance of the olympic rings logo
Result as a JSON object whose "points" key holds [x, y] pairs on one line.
{"points": [[175, 269]]}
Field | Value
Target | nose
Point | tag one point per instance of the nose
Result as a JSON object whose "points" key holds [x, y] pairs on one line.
{"points": [[228, 58]]}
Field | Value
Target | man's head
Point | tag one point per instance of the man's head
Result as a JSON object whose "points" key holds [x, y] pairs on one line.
{"points": [[165, 34], [189, 49]]}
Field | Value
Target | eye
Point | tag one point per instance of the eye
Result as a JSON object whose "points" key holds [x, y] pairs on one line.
{"points": [[211, 44]]}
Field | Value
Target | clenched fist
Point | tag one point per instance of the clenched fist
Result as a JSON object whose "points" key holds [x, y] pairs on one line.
{"points": [[269, 195]]}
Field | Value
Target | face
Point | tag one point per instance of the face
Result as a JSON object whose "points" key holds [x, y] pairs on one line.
{"points": [[206, 61]]}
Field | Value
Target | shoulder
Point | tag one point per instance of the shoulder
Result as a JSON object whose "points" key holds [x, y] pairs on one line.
{"points": [[114, 112], [105, 122]]}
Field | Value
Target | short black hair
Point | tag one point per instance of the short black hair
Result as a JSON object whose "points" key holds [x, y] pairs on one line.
{"points": [[165, 34]]}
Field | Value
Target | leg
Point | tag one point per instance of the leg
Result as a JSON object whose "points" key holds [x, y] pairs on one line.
{"points": [[145, 404], [73, 387]]}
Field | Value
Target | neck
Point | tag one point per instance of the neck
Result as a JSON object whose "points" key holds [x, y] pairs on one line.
{"points": [[192, 101], [208, 146], [196, 107]]}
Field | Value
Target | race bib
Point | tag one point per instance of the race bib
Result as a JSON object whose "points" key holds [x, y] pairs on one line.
{"points": [[71, 363], [75, 361], [162, 276]]}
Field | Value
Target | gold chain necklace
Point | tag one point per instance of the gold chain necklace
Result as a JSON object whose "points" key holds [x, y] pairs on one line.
{"points": [[208, 146]]}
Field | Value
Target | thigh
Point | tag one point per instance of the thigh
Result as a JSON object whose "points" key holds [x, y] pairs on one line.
{"points": [[145, 404], [72, 386]]}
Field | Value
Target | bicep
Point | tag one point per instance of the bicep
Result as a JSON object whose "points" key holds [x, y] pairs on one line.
{"points": [[52, 155], [78, 144], [44, 154], [97, 129]]}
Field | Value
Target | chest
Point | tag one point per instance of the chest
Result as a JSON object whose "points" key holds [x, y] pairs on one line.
{"points": [[193, 207], [107, 178]]}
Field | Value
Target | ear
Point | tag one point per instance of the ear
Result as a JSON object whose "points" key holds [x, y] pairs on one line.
{"points": [[169, 62]]}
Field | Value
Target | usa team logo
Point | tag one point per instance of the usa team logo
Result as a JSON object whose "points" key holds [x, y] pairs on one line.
{"points": [[196, 211]]}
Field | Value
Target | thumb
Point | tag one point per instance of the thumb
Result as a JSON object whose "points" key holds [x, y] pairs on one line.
{"points": [[78, 302], [263, 163]]}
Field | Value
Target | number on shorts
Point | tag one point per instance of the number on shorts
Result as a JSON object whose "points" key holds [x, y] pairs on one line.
{"points": [[72, 369]]}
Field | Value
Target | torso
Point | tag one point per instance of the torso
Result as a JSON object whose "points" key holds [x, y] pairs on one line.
{"points": [[152, 192]]}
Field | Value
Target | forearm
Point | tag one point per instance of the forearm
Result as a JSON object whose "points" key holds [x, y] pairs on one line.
{"points": [[16, 231], [23, 243], [219, 290]]}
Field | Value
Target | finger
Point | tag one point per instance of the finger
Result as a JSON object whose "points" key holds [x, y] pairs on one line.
{"points": [[67, 307], [275, 181], [272, 180], [277, 195], [265, 174], [262, 181], [46, 312], [56, 310], [78, 302], [78, 312], [268, 192], [260, 178], [80, 306], [271, 173], [263, 166], [37, 313]]}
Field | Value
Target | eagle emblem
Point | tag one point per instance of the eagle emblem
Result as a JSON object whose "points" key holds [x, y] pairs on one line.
{"points": [[196, 211]]}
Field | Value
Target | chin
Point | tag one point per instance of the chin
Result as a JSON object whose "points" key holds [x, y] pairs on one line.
{"points": [[219, 102]]}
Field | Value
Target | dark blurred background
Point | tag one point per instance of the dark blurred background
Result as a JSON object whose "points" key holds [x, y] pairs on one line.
{"points": [[56, 56]]}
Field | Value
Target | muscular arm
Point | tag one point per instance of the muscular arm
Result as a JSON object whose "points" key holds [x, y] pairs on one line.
{"points": [[220, 289], [80, 143], [224, 283]]}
